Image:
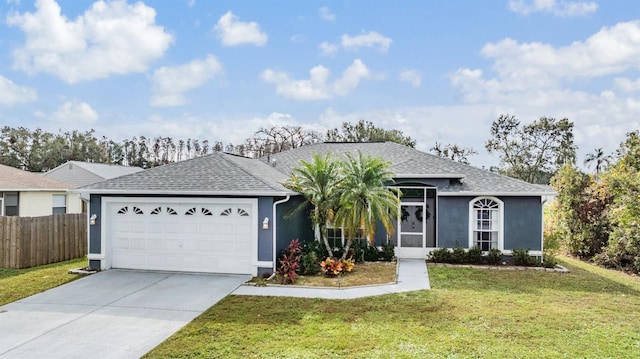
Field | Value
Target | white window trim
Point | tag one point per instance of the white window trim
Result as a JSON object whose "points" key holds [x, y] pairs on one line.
{"points": [[500, 220]]}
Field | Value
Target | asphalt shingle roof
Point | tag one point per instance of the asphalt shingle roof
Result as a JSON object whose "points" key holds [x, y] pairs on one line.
{"points": [[15, 179], [222, 173], [103, 170], [407, 162], [216, 173]]}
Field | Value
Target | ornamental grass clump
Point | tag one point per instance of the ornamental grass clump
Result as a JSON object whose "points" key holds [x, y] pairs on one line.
{"points": [[332, 267]]}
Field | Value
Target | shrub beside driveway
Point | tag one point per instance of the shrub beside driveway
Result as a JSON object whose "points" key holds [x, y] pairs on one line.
{"points": [[16, 284]]}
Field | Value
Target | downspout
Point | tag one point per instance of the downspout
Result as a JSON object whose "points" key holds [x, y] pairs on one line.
{"points": [[274, 228]]}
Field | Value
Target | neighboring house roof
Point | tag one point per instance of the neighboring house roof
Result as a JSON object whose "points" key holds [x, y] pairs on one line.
{"points": [[214, 174], [407, 162], [91, 172], [13, 179]]}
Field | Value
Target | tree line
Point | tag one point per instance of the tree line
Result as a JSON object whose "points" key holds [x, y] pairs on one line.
{"points": [[38, 150]]}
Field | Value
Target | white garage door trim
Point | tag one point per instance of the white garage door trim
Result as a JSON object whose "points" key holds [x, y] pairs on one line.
{"points": [[109, 202]]}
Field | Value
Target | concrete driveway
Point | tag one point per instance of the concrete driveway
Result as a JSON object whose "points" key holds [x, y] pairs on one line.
{"points": [[112, 314]]}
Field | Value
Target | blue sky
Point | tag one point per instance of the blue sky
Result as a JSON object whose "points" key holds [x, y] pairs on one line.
{"points": [[218, 70]]}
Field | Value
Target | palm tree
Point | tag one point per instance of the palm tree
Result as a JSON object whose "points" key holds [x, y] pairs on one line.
{"points": [[364, 197], [599, 158], [318, 182]]}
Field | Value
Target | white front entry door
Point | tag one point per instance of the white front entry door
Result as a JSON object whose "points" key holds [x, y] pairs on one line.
{"points": [[177, 234]]}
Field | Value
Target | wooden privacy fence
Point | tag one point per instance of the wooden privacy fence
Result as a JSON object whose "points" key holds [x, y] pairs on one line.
{"points": [[33, 241]]}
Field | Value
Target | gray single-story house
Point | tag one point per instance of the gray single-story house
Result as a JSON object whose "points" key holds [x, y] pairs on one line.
{"points": [[223, 213]]}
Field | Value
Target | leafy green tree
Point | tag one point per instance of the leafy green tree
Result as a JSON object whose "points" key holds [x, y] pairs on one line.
{"points": [[623, 179], [365, 131], [365, 197], [534, 152], [598, 158], [318, 182], [454, 152]]}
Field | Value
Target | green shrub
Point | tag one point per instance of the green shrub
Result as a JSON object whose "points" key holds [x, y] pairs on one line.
{"points": [[521, 257], [357, 251], [440, 255], [474, 255], [549, 260], [458, 255], [494, 256], [310, 263], [388, 252], [371, 254]]}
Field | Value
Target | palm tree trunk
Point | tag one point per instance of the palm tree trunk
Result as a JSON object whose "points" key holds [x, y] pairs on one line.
{"points": [[321, 237]]}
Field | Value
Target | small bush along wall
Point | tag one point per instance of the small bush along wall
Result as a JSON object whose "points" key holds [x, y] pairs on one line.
{"points": [[474, 255]]}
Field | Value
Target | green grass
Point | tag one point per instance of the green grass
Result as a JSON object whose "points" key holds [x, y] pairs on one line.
{"points": [[469, 313], [20, 283]]}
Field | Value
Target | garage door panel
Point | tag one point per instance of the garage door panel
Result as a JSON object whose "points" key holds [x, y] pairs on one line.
{"points": [[209, 237]]}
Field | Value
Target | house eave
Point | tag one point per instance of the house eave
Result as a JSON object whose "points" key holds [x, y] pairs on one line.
{"points": [[505, 194], [87, 192], [428, 176]]}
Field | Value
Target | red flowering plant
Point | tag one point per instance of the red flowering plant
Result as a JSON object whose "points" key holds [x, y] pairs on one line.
{"points": [[290, 263]]}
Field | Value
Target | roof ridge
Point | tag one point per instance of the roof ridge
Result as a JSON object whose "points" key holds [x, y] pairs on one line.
{"points": [[259, 178]]}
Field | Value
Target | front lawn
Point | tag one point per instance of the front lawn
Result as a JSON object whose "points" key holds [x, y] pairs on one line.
{"points": [[20, 283], [470, 313]]}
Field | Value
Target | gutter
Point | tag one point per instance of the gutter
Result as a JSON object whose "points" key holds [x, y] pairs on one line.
{"points": [[274, 227]]}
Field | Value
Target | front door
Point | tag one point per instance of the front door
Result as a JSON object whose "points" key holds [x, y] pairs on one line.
{"points": [[411, 231]]}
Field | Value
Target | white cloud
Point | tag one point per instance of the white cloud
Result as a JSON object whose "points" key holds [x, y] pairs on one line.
{"points": [[557, 8], [170, 83], [627, 85], [191, 3], [12, 94], [233, 32], [109, 38], [317, 86], [411, 76], [72, 113], [371, 39], [531, 80], [328, 49], [530, 67], [326, 14]]}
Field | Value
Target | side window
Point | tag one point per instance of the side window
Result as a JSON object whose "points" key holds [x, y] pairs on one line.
{"points": [[11, 204], [59, 204], [485, 223]]}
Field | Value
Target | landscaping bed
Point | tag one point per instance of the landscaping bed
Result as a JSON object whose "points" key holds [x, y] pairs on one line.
{"points": [[366, 273]]}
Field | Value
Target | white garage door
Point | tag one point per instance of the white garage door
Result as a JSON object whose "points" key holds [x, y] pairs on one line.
{"points": [[194, 235]]}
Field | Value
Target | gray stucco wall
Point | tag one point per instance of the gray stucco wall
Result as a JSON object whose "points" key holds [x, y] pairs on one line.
{"points": [[292, 225], [265, 236], [95, 207], [453, 221], [522, 223]]}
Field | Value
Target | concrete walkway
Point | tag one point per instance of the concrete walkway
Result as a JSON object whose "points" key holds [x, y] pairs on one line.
{"points": [[412, 275], [111, 314]]}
